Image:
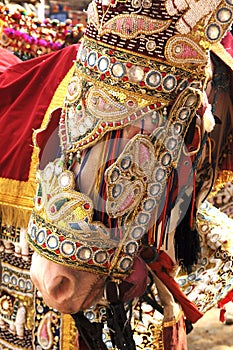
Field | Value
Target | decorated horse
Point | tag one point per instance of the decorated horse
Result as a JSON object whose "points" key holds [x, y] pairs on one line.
{"points": [[124, 239]]}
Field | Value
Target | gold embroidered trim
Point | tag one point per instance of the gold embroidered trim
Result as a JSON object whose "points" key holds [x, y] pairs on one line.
{"points": [[134, 57], [68, 333], [174, 321]]}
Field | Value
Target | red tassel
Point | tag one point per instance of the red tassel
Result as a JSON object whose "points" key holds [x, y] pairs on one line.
{"points": [[222, 315], [160, 266]]}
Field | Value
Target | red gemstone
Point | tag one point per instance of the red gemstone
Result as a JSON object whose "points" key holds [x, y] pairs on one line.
{"points": [[133, 117], [86, 206], [142, 83], [103, 125], [152, 106], [48, 232], [113, 60], [73, 257], [57, 251], [146, 69], [158, 104], [61, 238], [128, 64], [102, 77]]}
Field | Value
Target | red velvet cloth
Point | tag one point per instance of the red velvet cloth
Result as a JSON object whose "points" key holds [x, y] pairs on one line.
{"points": [[7, 59], [26, 90], [161, 267]]}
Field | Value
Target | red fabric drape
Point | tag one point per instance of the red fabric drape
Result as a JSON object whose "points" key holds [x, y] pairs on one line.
{"points": [[26, 90], [7, 59]]}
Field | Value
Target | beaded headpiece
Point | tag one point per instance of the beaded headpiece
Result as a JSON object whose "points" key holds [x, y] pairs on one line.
{"points": [[139, 60]]}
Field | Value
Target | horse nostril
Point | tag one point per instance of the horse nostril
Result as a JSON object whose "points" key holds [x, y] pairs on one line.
{"points": [[60, 288]]}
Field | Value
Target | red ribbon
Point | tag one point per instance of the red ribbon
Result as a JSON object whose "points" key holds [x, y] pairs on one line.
{"points": [[161, 267]]}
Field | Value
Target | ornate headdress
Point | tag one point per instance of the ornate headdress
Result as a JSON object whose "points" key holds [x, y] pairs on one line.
{"points": [[139, 60]]}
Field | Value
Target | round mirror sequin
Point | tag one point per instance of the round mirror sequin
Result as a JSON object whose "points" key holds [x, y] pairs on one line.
{"points": [[83, 55], [117, 190], [21, 283], [137, 233], [171, 143], [153, 79], [52, 242], [91, 59], [166, 159], [66, 180], [213, 32], [154, 189], [177, 129], [103, 64], [67, 248], [115, 175], [224, 15], [136, 74], [169, 83], [143, 218], [131, 248], [84, 253], [41, 236], [118, 70], [183, 113], [149, 204], [125, 264], [100, 257], [160, 174], [126, 162], [191, 100], [33, 231]]}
